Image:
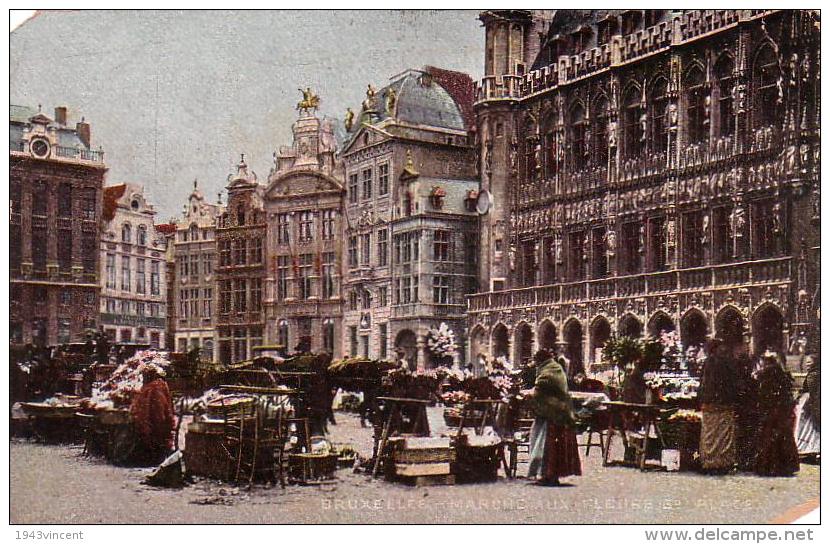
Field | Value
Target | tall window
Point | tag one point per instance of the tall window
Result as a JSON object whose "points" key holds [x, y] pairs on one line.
{"points": [[88, 204], [549, 148], [367, 183], [224, 253], [528, 263], [306, 226], [110, 271], [90, 247], [282, 333], [65, 200], [696, 121], [328, 335], [64, 243], [353, 188], [306, 270], [383, 247], [255, 250], [441, 289], [599, 268], [125, 273], [383, 339], [693, 239], [632, 125], [365, 248], [629, 248], [599, 133], [142, 235], [383, 179], [208, 303], [576, 255], [328, 275], [256, 294], [126, 233], [726, 116], [240, 301], [240, 251], [721, 240], [577, 137], [140, 280], [764, 236], [155, 278], [282, 276], [207, 263], [329, 231], [767, 93], [194, 265], [353, 341], [406, 286], [657, 243], [353, 251], [40, 198], [365, 299], [659, 115], [441, 245], [283, 228], [225, 296]]}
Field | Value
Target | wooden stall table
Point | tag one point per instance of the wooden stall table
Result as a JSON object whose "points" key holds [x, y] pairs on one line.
{"points": [[394, 405], [619, 413]]}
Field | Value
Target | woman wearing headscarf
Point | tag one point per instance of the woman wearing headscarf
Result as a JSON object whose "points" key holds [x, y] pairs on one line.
{"points": [[553, 446], [718, 400], [777, 452], [153, 416]]}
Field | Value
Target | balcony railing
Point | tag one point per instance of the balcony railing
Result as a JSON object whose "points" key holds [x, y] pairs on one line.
{"points": [[719, 276], [498, 87]]}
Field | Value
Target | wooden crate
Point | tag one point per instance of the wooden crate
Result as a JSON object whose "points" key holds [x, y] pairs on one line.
{"points": [[205, 456], [311, 467]]}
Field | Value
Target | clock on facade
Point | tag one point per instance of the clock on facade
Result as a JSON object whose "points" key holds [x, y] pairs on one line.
{"points": [[40, 148]]}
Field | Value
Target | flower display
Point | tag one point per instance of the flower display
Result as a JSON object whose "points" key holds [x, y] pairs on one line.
{"points": [[452, 398], [126, 380], [441, 342], [689, 416]]}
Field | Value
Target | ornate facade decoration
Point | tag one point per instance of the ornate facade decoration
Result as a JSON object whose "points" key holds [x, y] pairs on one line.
{"points": [[668, 193]]}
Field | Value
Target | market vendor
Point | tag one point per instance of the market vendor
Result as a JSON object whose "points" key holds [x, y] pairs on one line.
{"points": [[777, 450], [553, 447], [718, 402], [152, 413]]}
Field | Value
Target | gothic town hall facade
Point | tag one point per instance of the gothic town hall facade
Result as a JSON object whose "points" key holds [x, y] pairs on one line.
{"points": [[645, 171]]}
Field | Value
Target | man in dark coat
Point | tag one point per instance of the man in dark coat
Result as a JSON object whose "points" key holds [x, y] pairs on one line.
{"points": [[777, 451]]}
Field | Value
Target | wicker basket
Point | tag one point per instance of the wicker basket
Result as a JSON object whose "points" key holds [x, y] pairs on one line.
{"points": [[48, 411], [311, 467]]}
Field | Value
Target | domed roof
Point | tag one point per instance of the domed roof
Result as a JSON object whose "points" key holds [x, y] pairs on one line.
{"points": [[419, 100]]}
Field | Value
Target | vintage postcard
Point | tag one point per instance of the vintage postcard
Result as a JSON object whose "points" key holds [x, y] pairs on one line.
{"points": [[504, 266]]}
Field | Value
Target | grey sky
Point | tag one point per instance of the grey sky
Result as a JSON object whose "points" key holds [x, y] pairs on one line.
{"points": [[227, 81]]}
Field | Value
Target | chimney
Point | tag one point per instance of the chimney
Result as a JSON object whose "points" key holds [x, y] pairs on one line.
{"points": [[82, 129], [60, 115]]}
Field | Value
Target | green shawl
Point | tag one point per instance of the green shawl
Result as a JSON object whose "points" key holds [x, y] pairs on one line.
{"points": [[552, 401]]}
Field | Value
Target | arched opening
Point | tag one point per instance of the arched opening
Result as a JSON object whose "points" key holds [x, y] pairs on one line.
{"points": [[501, 341], [547, 335], [523, 341], [660, 323], [572, 335], [693, 330], [729, 326], [600, 333], [406, 348], [767, 93], [630, 326], [768, 330], [478, 347]]}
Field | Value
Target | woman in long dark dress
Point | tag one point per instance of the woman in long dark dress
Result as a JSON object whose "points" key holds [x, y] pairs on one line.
{"points": [[746, 409], [718, 400], [553, 448], [777, 452]]}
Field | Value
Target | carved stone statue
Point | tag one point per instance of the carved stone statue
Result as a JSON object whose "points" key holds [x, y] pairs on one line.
{"points": [[370, 103], [643, 126], [349, 121], [391, 102], [642, 238], [611, 242], [737, 221], [777, 229], [612, 135], [704, 230], [557, 248], [514, 155], [670, 234], [586, 247], [672, 113]]}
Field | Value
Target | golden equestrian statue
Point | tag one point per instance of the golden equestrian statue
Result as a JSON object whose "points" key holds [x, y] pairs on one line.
{"points": [[310, 101]]}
